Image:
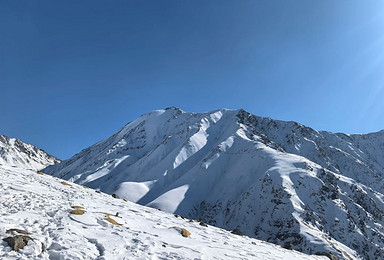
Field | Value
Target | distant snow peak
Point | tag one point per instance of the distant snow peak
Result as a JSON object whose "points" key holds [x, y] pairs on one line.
{"points": [[16, 153], [274, 180]]}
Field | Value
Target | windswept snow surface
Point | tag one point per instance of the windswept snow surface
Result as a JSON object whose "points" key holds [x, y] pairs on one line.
{"points": [[277, 181], [41, 205], [14, 152]]}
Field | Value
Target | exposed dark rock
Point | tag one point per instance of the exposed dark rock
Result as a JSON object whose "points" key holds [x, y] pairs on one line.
{"points": [[15, 231], [115, 196], [17, 242], [330, 255], [288, 245], [237, 232], [203, 224], [77, 207]]}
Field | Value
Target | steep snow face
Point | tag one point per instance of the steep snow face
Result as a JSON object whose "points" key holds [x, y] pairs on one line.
{"points": [[14, 152], [42, 206], [277, 181], [360, 157]]}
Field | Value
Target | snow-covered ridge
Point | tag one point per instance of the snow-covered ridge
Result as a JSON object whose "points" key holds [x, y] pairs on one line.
{"points": [[68, 221], [16, 153], [277, 181]]}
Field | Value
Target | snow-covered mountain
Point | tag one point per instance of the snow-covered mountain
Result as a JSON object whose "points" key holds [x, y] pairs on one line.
{"points": [[63, 220], [14, 152], [277, 181]]}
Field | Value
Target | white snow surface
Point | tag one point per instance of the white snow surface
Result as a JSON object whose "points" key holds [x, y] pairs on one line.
{"points": [[16, 153], [41, 205], [277, 181]]}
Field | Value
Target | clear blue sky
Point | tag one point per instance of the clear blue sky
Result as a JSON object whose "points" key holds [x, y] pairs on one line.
{"points": [[74, 72]]}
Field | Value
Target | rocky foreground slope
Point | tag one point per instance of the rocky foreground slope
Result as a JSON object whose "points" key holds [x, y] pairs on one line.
{"points": [[277, 181], [62, 220], [16, 153]]}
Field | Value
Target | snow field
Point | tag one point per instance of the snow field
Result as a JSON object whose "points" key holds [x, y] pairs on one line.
{"points": [[41, 205]]}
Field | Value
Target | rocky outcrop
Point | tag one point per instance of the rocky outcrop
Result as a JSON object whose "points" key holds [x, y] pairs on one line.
{"points": [[17, 242]]}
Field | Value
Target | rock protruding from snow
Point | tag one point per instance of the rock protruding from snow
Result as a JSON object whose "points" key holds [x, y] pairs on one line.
{"points": [[16, 153], [17, 242]]}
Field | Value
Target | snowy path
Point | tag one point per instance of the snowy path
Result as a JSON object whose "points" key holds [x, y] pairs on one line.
{"points": [[41, 205]]}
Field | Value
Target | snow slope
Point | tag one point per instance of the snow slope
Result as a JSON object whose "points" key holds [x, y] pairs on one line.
{"points": [[41, 205], [276, 181], [14, 152]]}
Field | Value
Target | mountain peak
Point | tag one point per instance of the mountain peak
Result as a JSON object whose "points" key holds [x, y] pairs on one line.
{"points": [[15, 153], [274, 180], [174, 108]]}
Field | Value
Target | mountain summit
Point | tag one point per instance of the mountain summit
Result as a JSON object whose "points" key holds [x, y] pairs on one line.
{"points": [[14, 152], [273, 180]]}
